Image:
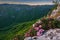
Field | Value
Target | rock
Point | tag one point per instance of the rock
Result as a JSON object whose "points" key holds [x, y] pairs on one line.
{"points": [[52, 34], [28, 38], [58, 18], [54, 12]]}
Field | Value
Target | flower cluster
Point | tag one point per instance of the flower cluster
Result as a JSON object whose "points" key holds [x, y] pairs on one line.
{"points": [[35, 31], [39, 28]]}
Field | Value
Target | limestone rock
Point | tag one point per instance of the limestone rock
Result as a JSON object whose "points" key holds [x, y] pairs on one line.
{"points": [[52, 34]]}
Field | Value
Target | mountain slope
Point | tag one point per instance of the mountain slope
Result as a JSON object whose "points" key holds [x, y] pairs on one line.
{"points": [[16, 19], [47, 28]]}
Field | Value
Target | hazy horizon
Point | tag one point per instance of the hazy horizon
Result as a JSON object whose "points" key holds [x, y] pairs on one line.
{"points": [[28, 3]]}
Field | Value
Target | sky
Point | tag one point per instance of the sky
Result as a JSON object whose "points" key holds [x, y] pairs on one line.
{"points": [[30, 2]]}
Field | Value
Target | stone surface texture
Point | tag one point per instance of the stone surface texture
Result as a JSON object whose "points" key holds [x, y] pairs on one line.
{"points": [[52, 34]]}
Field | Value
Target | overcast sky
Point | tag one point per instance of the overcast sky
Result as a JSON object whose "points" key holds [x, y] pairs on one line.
{"points": [[28, 0]]}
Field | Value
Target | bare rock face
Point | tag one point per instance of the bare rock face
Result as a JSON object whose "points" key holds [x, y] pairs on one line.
{"points": [[58, 18], [52, 34]]}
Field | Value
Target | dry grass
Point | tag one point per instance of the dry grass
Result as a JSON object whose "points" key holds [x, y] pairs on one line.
{"points": [[55, 16], [58, 14]]}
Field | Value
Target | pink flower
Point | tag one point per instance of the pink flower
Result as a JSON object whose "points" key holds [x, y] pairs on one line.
{"points": [[40, 26], [27, 35], [40, 32], [36, 28]]}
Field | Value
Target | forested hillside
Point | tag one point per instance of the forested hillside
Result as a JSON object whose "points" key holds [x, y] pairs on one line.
{"points": [[17, 19]]}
